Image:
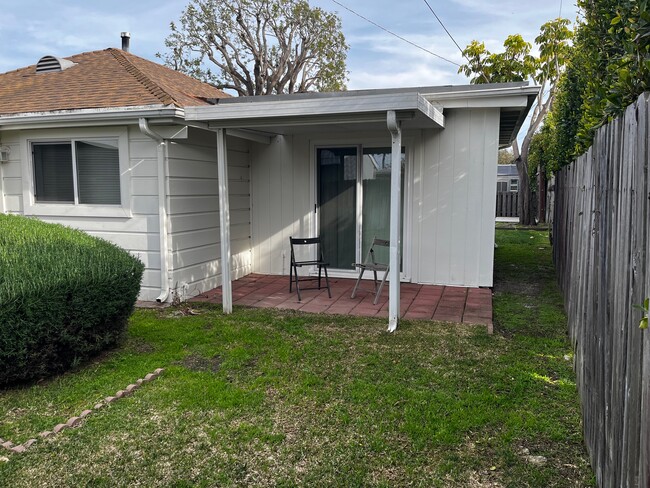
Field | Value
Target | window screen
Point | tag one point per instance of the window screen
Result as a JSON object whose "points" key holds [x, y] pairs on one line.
{"points": [[98, 172]]}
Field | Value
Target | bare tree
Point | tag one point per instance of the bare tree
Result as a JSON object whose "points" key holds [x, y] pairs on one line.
{"points": [[259, 47]]}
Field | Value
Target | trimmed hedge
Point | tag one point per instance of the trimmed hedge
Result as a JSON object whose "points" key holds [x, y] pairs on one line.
{"points": [[64, 297]]}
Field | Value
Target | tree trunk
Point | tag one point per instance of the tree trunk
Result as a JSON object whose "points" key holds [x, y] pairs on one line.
{"points": [[541, 193], [524, 206]]}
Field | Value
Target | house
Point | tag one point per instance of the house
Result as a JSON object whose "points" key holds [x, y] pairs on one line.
{"points": [[507, 193], [180, 174], [507, 178]]}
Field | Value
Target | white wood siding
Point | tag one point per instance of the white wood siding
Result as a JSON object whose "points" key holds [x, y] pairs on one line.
{"points": [[194, 211], [449, 228], [138, 233], [458, 200], [282, 202]]}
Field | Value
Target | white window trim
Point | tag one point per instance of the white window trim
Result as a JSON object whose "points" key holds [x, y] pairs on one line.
{"points": [[407, 225], [513, 184], [34, 208]]}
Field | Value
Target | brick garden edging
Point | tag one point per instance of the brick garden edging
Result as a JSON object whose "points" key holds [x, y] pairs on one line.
{"points": [[74, 421]]}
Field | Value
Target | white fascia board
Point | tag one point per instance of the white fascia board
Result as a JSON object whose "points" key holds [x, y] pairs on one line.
{"points": [[311, 108], [431, 111], [498, 97], [89, 117]]}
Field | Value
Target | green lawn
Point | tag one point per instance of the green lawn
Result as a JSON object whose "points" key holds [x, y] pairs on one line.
{"points": [[271, 398]]}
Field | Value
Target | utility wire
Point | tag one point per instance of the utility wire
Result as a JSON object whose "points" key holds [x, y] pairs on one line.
{"points": [[396, 35], [452, 37], [443, 26]]}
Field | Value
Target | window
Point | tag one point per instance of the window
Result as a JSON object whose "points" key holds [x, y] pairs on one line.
{"points": [[514, 185], [502, 186], [79, 171]]}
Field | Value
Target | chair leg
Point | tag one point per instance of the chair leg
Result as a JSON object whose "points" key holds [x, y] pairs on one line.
{"points": [[356, 285], [327, 280], [295, 272], [290, 276], [319, 273], [380, 287]]}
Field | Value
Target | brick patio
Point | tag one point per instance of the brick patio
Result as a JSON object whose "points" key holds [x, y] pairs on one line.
{"points": [[418, 302]]}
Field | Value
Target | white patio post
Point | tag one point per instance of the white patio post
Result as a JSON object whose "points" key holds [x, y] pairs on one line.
{"points": [[395, 225], [224, 217]]}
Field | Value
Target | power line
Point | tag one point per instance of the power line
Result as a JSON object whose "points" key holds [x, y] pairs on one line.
{"points": [[443, 26], [396, 35], [452, 38]]}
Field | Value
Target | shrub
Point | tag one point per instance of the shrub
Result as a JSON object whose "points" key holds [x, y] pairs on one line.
{"points": [[64, 297]]}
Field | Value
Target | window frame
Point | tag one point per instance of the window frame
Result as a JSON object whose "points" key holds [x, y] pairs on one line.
{"points": [[59, 136], [513, 184], [361, 142]]}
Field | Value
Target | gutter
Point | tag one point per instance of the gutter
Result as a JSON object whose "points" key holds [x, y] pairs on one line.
{"points": [[103, 116], [163, 191]]}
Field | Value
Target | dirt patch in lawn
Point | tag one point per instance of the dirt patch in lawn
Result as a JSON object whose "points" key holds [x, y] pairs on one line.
{"points": [[196, 362]]}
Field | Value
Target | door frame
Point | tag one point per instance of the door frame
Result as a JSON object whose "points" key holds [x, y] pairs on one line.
{"points": [[361, 142]]}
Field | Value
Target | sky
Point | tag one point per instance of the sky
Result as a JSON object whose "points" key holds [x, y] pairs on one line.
{"points": [[30, 29]]}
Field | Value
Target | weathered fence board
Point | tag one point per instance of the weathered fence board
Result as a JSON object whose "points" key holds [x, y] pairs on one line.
{"points": [[601, 248], [507, 202]]}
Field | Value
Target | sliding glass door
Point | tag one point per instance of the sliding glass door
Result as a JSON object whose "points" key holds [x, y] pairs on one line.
{"points": [[354, 201]]}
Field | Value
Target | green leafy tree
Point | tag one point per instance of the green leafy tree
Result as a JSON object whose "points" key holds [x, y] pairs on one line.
{"points": [[506, 156], [608, 69], [516, 63], [259, 47]]}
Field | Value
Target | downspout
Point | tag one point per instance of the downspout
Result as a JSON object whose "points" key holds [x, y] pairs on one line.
{"points": [[163, 191], [2, 190], [3, 206], [393, 126]]}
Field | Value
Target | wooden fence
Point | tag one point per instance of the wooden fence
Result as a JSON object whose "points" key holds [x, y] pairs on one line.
{"points": [[507, 203], [601, 249]]}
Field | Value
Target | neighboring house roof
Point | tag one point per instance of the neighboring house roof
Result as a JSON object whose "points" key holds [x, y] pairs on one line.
{"points": [[507, 170], [108, 78]]}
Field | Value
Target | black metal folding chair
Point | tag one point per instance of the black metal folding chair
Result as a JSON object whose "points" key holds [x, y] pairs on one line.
{"points": [[371, 264], [319, 262]]}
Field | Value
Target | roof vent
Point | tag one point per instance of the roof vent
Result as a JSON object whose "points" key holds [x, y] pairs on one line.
{"points": [[52, 63]]}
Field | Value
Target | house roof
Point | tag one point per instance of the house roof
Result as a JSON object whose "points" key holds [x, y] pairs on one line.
{"points": [[418, 107], [507, 170], [103, 79]]}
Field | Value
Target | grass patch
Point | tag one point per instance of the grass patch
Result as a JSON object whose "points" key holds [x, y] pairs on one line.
{"points": [[277, 398]]}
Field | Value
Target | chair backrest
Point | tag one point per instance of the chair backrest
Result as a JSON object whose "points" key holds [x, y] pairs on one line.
{"points": [[305, 241], [376, 242]]}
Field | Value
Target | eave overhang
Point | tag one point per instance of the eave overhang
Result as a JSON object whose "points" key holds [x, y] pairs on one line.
{"points": [[91, 117], [412, 109]]}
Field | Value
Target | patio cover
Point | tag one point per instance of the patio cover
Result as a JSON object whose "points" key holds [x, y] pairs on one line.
{"points": [[259, 118]]}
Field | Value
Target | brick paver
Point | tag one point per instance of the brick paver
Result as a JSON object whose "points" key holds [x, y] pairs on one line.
{"points": [[417, 302]]}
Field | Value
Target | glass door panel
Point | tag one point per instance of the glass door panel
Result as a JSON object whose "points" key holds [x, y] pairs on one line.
{"points": [[375, 217], [337, 203]]}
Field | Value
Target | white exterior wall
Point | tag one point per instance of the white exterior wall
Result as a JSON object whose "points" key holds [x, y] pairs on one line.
{"points": [[450, 194], [458, 195], [193, 208], [281, 200], [194, 211], [137, 232]]}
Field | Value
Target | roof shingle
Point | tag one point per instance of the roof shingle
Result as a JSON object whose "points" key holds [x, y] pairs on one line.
{"points": [[101, 79]]}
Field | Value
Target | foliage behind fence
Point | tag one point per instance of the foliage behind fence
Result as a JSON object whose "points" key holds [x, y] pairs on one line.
{"points": [[601, 249]]}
